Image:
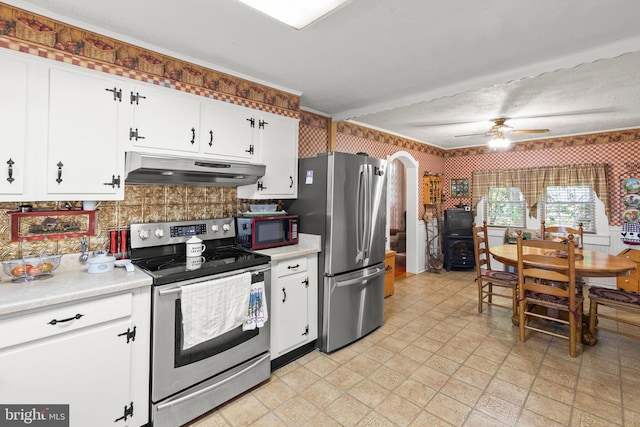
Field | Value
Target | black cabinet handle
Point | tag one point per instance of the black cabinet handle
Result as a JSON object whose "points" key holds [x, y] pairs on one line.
{"points": [[134, 134], [117, 94], [137, 97], [250, 150], [293, 267], [252, 122], [210, 138], [291, 179], [10, 162], [55, 321], [60, 165], [114, 181], [261, 124], [193, 135], [284, 292]]}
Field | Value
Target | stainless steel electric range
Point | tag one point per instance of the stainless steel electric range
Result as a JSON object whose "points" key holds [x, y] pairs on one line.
{"points": [[188, 383]]}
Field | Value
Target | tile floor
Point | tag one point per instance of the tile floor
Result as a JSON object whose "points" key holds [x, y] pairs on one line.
{"points": [[437, 362]]}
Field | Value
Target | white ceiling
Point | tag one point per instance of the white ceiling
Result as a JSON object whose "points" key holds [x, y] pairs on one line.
{"points": [[424, 69]]}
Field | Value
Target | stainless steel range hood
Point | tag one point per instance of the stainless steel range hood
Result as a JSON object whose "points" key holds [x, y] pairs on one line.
{"points": [[141, 168]]}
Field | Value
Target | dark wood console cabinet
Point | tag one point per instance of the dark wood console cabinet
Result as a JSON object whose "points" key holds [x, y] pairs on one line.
{"points": [[458, 252]]}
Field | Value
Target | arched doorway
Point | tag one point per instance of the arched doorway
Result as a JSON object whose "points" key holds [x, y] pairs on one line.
{"points": [[411, 204]]}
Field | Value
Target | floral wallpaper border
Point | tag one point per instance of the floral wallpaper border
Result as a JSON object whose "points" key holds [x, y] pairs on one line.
{"points": [[353, 129], [26, 32], [561, 142]]}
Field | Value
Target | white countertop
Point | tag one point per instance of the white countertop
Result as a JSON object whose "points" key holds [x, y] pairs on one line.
{"points": [[307, 244], [70, 282]]}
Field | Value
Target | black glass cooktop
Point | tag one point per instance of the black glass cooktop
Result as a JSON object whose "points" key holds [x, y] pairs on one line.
{"points": [[171, 268]]}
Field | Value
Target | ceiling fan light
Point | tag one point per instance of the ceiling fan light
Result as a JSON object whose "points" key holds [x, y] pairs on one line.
{"points": [[498, 141]]}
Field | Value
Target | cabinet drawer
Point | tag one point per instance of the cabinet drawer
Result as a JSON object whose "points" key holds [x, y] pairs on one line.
{"points": [[291, 266], [29, 327]]}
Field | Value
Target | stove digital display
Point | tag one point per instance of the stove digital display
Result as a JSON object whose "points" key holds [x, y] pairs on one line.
{"points": [[188, 230]]}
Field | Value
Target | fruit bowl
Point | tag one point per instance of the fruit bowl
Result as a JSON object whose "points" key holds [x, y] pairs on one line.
{"points": [[31, 267]]}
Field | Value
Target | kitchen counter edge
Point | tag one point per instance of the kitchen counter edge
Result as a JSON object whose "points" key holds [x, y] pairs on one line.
{"points": [[307, 244], [69, 283]]}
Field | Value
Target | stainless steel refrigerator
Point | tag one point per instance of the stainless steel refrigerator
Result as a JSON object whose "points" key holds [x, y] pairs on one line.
{"points": [[342, 197]]}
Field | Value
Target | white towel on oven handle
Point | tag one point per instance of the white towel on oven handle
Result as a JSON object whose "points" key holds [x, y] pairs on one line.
{"points": [[257, 313], [211, 308]]}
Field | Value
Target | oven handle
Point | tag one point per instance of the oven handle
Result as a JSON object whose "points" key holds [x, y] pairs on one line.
{"points": [[179, 400], [178, 289]]}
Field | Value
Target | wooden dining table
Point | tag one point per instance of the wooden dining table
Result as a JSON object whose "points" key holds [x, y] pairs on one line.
{"points": [[588, 264]]}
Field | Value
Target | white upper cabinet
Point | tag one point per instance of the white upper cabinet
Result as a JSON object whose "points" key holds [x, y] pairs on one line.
{"points": [[277, 148], [228, 131], [83, 159], [18, 99], [163, 118], [66, 128]]}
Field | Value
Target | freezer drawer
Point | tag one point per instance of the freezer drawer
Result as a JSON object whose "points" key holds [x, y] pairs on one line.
{"points": [[353, 306]]}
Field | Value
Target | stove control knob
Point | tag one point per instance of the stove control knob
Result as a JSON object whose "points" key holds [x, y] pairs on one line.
{"points": [[215, 228], [143, 234], [226, 227], [159, 233]]}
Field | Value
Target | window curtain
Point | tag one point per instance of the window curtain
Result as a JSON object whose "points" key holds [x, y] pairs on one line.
{"points": [[395, 181], [533, 181]]}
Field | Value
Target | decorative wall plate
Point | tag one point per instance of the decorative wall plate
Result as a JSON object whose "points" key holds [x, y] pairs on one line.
{"points": [[631, 200], [631, 185], [631, 215]]}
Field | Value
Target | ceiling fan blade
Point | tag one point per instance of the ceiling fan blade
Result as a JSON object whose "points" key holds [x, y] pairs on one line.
{"points": [[475, 134], [529, 131], [426, 125]]}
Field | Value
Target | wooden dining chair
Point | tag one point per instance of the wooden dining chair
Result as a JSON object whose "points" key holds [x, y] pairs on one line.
{"points": [[578, 237], [578, 233], [487, 278], [547, 279]]}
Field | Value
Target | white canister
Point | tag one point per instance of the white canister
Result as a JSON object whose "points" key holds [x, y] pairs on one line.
{"points": [[194, 262], [101, 264], [195, 247]]}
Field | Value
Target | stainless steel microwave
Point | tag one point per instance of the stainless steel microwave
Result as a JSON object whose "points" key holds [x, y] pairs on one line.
{"points": [[267, 232]]}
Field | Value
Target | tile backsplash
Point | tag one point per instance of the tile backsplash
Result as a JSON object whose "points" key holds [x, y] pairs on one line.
{"points": [[142, 203]]}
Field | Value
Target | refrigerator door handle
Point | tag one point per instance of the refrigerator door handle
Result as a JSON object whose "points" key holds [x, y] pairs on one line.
{"points": [[360, 279], [368, 220], [359, 216]]}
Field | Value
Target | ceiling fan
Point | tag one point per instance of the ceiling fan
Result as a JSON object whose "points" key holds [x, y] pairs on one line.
{"points": [[499, 129]]}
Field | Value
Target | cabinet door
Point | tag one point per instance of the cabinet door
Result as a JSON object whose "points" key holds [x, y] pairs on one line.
{"points": [[82, 151], [278, 150], [227, 130], [293, 322], [164, 118], [14, 73], [87, 369]]}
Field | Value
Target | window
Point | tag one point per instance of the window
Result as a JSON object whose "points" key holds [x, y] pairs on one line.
{"points": [[569, 206], [505, 206]]}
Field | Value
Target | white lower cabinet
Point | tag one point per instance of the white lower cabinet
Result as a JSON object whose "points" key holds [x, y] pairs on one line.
{"points": [[294, 303], [91, 355]]}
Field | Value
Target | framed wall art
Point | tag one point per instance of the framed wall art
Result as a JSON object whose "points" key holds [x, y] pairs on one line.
{"points": [[459, 187]]}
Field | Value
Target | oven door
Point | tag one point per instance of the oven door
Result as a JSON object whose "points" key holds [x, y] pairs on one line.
{"points": [[174, 369]]}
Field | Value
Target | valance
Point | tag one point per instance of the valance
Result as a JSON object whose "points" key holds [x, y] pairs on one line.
{"points": [[532, 181]]}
